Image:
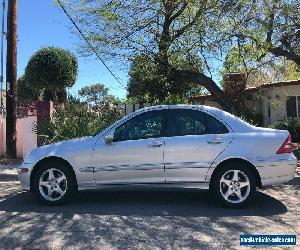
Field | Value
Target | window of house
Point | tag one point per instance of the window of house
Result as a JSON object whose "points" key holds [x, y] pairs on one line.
{"points": [[293, 106]]}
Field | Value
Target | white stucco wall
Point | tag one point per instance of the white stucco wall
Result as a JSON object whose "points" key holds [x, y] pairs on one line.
{"points": [[209, 103], [2, 136], [26, 138], [275, 99]]}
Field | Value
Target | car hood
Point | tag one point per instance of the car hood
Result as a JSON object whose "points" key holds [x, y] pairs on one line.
{"points": [[57, 149]]}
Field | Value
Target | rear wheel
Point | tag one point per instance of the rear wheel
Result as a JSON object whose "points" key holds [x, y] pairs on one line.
{"points": [[234, 185], [54, 183]]}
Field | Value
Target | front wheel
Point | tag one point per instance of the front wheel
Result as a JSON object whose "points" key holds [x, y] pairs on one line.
{"points": [[54, 183], [234, 186]]}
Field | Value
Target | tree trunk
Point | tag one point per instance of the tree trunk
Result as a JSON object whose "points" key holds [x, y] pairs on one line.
{"points": [[172, 75], [208, 83], [49, 95], [61, 96], [277, 51]]}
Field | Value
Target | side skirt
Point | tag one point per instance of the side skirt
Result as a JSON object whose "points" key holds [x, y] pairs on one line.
{"points": [[185, 185]]}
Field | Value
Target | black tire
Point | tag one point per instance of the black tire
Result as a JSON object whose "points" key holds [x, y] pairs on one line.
{"points": [[217, 188], [70, 186]]}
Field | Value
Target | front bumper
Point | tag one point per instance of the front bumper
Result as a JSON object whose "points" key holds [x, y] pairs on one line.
{"points": [[24, 177]]}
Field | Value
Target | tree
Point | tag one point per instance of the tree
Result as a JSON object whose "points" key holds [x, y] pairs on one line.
{"points": [[52, 70], [98, 99], [291, 70], [270, 25], [144, 76], [124, 29], [142, 80], [25, 92], [95, 94], [259, 69], [207, 28]]}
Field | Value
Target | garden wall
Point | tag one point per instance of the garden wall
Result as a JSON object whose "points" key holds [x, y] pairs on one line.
{"points": [[26, 137]]}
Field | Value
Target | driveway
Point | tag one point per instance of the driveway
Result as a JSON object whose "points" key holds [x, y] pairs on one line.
{"points": [[172, 219]]}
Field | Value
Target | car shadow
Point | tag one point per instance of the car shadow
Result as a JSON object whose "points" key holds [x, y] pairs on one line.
{"points": [[147, 219], [143, 203]]}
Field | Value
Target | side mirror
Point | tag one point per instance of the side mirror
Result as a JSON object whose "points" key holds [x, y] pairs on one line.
{"points": [[109, 138]]}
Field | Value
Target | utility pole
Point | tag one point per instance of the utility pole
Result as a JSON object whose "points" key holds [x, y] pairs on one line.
{"points": [[2, 53], [11, 79]]}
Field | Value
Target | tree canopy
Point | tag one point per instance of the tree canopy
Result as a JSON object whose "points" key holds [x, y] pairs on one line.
{"points": [[52, 70], [97, 97], [158, 29], [95, 94], [259, 70], [25, 91], [271, 25], [144, 77]]}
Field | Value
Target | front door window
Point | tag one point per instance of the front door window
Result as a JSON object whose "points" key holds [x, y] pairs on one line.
{"points": [[146, 125]]}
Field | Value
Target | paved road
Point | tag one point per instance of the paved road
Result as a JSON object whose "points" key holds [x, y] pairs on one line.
{"points": [[142, 219]]}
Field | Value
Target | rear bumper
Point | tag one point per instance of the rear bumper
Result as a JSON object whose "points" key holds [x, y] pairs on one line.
{"points": [[277, 171], [276, 180]]}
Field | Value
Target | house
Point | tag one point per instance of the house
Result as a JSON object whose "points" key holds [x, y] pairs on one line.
{"points": [[275, 101]]}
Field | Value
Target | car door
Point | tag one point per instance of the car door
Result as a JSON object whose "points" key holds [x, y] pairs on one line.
{"points": [[195, 140], [136, 153]]}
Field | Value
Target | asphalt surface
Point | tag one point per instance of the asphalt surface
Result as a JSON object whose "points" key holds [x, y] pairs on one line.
{"points": [[172, 219]]}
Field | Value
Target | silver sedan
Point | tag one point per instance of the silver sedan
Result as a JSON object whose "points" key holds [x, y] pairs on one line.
{"points": [[165, 146]]}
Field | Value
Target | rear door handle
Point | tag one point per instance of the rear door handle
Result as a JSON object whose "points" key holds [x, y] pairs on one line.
{"points": [[156, 144], [214, 141]]}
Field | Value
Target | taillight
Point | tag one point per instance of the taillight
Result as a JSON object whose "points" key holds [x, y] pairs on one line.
{"points": [[286, 147]]}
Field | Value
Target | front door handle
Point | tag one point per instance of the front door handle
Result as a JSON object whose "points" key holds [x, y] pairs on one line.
{"points": [[214, 141], [156, 144]]}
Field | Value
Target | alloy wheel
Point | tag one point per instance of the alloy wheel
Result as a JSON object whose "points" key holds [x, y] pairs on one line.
{"points": [[234, 186], [53, 184]]}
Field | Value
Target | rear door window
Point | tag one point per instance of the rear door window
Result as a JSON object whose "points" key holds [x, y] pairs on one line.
{"points": [[183, 122]]}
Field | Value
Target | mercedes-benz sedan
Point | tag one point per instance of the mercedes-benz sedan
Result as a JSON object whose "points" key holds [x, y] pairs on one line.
{"points": [[165, 146]]}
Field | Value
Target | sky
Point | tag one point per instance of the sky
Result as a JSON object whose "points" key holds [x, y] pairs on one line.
{"points": [[42, 23]]}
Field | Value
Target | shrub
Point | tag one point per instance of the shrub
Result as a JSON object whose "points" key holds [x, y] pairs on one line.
{"points": [[251, 117], [293, 126], [77, 119], [297, 153]]}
